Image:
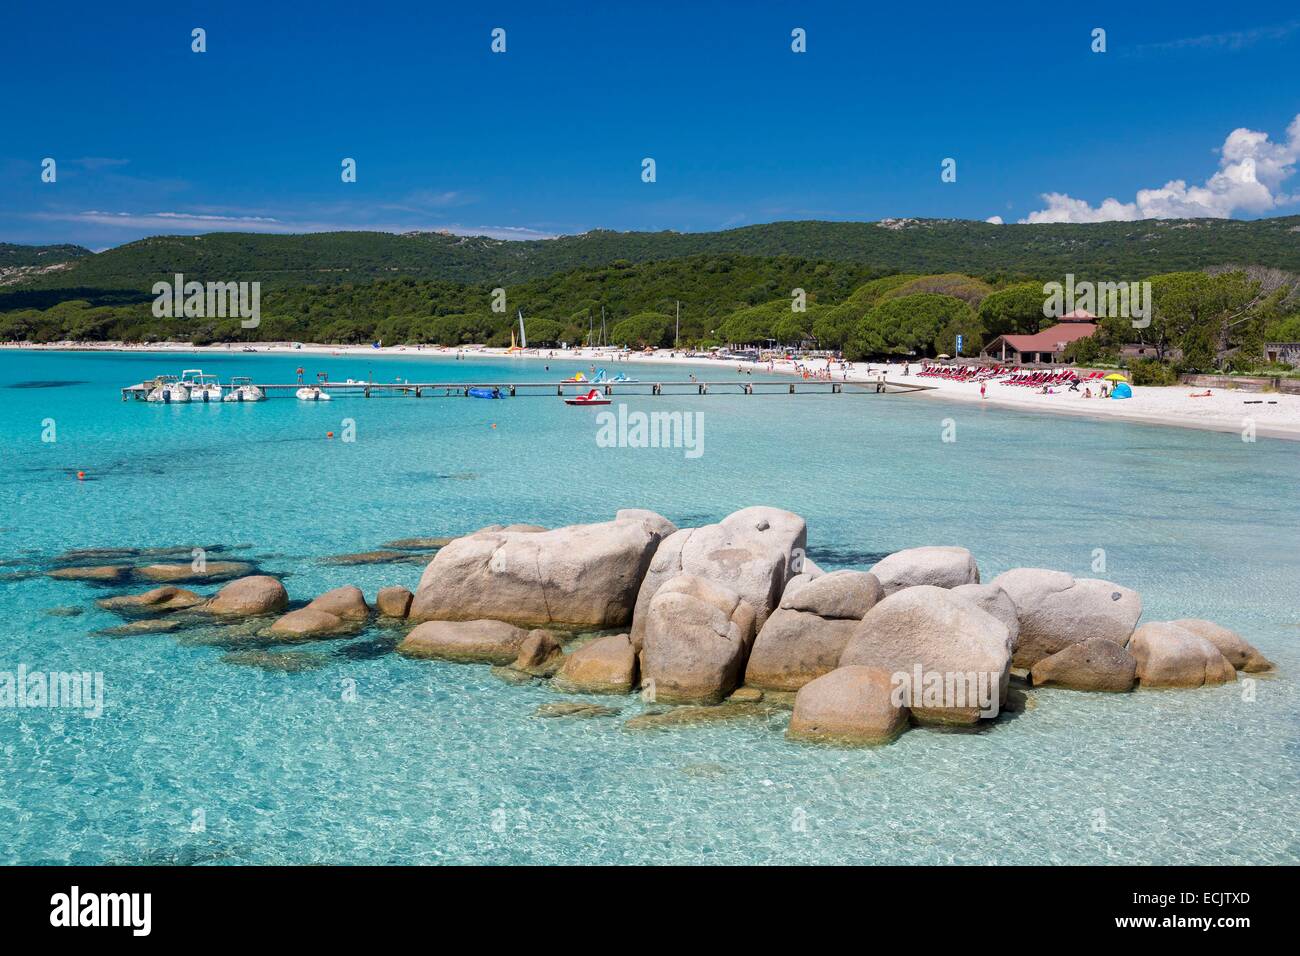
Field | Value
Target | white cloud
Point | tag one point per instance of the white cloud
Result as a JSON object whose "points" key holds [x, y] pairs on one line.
{"points": [[996, 220], [1233, 40], [1251, 174], [205, 222]]}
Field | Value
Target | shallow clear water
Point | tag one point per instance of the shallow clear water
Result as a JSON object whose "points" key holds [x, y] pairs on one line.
{"points": [[437, 762]]}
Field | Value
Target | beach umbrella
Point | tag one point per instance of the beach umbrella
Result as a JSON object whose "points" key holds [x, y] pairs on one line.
{"points": [[1116, 377], [943, 356]]}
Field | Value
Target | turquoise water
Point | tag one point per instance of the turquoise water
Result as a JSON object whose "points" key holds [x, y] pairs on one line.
{"points": [[429, 762]]}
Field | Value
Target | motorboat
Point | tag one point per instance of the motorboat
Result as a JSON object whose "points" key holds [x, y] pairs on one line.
{"points": [[481, 392], [311, 393], [199, 385], [242, 389], [593, 397], [205, 388], [168, 389]]}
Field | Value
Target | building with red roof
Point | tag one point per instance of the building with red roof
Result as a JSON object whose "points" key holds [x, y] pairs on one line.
{"points": [[1046, 346]]}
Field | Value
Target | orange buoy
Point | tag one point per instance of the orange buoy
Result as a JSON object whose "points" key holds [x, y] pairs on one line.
{"points": [[81, 476], [494, 424], [329, 434]]}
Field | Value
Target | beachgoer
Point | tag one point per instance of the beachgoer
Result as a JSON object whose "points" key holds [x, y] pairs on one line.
{"points": [[983, 389]]}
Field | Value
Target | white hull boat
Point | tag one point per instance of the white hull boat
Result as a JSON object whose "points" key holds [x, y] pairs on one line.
{"points": [[243, 390], [310, 393], [205, 393], [173, 393], [202, 388], [166, 389]]}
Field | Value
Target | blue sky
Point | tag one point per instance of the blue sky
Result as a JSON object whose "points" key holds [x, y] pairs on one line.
{"points": [[549, 137]]}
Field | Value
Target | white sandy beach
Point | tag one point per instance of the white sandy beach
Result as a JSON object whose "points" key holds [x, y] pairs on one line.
{"points": [[1271, 414]]}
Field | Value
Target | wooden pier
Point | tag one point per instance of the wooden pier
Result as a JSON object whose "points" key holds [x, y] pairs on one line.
{"points": [[519, 389]]}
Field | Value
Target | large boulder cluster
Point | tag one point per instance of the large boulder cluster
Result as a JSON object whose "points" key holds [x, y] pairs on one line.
{"points": [[732, 611]]}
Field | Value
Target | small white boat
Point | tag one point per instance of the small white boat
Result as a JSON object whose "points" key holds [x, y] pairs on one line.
{"points": [[310, 393], [167, 389], [242, 389], [205, 388]]}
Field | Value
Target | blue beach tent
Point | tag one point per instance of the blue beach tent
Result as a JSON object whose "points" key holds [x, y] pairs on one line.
{"points": [[1121, 390]]}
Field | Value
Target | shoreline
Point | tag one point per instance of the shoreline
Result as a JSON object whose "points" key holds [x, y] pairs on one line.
{"points": [[1169, 406]]}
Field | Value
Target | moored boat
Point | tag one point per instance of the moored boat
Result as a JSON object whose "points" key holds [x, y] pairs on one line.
{"points": [[593, 397], [310, 393], [242, 389], [168, 389], [205, 388]]}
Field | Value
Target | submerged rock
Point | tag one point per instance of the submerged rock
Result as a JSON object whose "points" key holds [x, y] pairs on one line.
{"points": [[1094, 664], [66, 611], [161, 600], [248, 597], [936, 566], [510, 675], [308, 622], [1172, 656], [746, 695], [185, 549], [96, 574], [418, 544], [232, 633], [135, 628], [393, 601], [75, 555], [850, 705], [1240, 653], [540, 655], [292, 662], [697, 636], [346, 602], [571, 709], [481, 641], [211, 571], [694, 714], [705, 769], [386, 556], [936, 644], [1057, 609], [579, 576], [607, 665]]}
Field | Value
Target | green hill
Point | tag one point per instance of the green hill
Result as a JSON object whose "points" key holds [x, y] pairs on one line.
{"points": [[12, 254], [1113, 250]]}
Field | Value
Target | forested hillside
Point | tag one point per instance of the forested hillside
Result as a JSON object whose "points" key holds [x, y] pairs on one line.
{"points": [[1113, 250]]}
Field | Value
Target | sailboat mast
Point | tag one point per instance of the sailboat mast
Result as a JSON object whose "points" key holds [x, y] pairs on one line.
{"points": [[677, 335], [523, 337]]}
